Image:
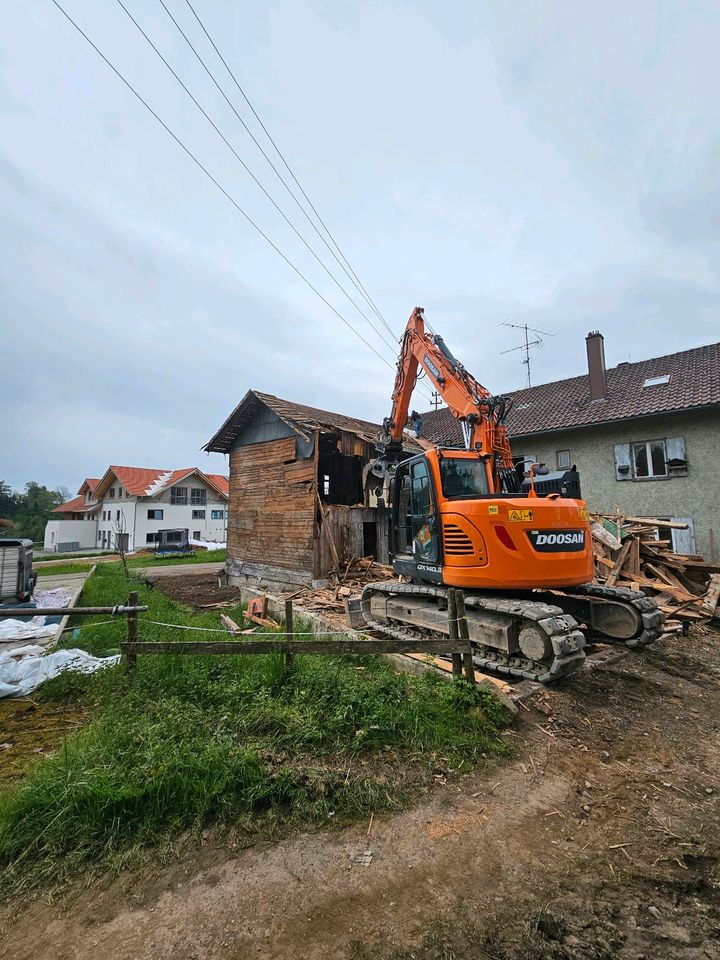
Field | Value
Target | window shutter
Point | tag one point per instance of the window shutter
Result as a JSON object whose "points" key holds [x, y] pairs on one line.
{"points": [[623, 464], [675, 456]]}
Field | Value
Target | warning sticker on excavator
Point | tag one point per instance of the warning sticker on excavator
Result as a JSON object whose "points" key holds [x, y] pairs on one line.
{"points": [[493, 509], [524, 515], [583, 513]]}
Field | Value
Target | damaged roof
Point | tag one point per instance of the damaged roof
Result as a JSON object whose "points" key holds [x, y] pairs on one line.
{"points": [[301, 419], [677, 382]]}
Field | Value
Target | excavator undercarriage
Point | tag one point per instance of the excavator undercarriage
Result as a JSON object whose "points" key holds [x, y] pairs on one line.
{"points": [[524, 635]]}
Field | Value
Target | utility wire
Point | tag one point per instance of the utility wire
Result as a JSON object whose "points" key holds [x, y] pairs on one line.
{"points": [[220, 187], [368, 298], [252, 175], [352, 277]]}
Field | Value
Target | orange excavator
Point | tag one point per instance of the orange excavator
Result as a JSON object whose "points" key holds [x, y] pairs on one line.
{"points": [[520, 548]]}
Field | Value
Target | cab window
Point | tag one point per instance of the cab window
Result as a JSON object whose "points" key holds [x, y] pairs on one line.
{"points": [[463, 479]]}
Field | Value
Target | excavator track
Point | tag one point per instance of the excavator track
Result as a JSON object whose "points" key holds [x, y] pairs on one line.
{"points": [[650, 617], [546, 623]]}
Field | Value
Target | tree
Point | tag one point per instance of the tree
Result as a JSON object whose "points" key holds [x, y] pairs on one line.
{"points": [[8, 501], [33, 511]]}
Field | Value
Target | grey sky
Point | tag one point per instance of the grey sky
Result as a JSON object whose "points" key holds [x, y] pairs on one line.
{"points": [[552, 163]]}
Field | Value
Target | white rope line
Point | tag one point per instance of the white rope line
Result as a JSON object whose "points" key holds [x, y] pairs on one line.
{"points": [[230, 633], [89, 626]]}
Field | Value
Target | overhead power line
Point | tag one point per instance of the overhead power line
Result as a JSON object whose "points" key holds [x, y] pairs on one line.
{"points": [[340, 260], [287, 166], [252, 175], [216, 182]]}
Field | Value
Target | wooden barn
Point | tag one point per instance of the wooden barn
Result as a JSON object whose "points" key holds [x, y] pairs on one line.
{"points": [[297, 507]]}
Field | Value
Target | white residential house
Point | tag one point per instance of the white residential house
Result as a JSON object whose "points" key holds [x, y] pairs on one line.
{"points": [[135, 503]]}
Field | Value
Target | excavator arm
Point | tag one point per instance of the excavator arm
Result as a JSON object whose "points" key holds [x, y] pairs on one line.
{"points": [[481, 414]]}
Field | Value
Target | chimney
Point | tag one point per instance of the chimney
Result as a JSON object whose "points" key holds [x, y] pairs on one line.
{"points": [[596, 365]]}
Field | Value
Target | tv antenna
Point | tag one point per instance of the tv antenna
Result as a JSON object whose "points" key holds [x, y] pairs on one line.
{"points": [[436, 400], [528, 344]]}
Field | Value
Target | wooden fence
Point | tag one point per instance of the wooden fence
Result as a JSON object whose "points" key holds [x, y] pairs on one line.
{"points": [[457, 645]]}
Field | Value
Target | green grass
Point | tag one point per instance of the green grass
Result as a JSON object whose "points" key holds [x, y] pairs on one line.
{"points": [[72, 556], [234, 740], [202, 556], [61, 568], [209, 556]]}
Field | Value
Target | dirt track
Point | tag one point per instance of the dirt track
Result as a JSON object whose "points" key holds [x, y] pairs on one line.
{"points": [[600, 839]]}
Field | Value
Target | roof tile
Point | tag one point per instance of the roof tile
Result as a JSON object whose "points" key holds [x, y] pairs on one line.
{"points": [[564, 404]]}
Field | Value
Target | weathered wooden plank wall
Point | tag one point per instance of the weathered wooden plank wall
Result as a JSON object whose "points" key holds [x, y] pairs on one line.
{"points": [[345, 525], [272, 506]]}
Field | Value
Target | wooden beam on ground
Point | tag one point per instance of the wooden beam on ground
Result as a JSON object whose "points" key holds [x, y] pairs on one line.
{"points": [[447, 668]]}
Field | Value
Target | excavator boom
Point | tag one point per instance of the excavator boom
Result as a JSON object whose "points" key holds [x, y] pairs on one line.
{"points": [[481, 414]]}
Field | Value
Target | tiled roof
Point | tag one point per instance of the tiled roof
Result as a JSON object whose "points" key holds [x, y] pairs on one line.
{"points": [[297, 416], [77, 505], [221, 482], [90, 483], [148, 482], [694, 382]]}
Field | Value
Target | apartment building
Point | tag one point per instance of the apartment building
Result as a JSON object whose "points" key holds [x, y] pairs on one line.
{"points": [[128, 506]]}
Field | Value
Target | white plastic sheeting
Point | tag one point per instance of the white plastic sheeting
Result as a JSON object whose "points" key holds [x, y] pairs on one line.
{"points": [[23, 669], [35, 629], [207, 544]]}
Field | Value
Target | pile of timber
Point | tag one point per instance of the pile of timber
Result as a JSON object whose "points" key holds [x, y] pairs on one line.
{"points": [[347, 580], [637, 552]]}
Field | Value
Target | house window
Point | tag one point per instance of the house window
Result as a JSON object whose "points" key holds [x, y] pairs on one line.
{"points": [[150, 537], [198, 514], [178, 496], [111, 493], [217, 514], [563, 459], [649, 459], [198, 496], [155, 515], [196, 534], [99, 535], [117, 514]]}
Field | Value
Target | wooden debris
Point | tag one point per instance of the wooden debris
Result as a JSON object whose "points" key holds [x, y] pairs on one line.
{"points": [[629, 552], [257, 612], [712, 596]]}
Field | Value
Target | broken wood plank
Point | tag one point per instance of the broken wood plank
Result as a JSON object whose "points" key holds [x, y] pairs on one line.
{"points": [[604, 536], [654, 522], [229, 624], [620, 562], [712, 596], [446, 667]]}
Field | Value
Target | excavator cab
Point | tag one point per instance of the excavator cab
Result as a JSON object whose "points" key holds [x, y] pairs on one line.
{"points": [[449, 527]]}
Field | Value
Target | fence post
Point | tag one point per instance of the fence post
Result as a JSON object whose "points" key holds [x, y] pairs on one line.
{"points": [[289, 630], [453, 626], [132, 625], [468, 665]]}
